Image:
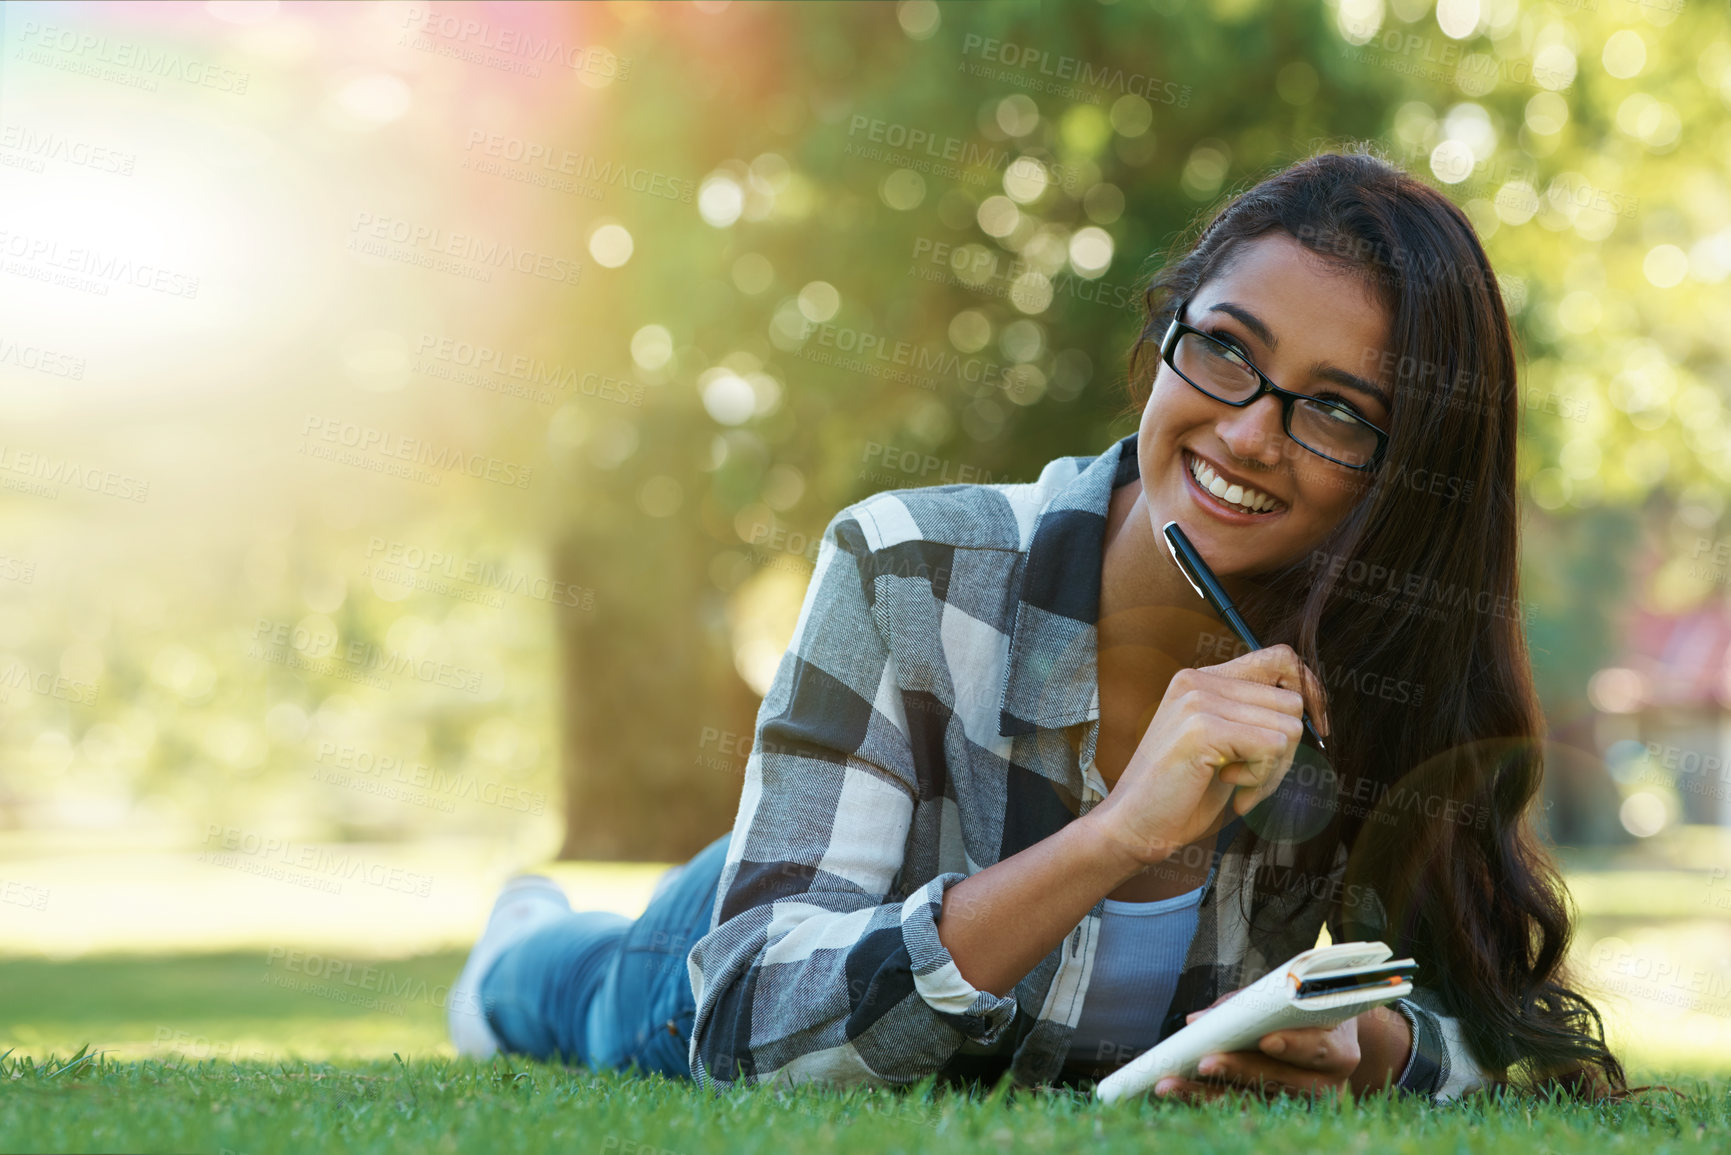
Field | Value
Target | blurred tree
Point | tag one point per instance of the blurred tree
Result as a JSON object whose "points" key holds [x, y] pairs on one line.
{"points": [[871, 246], [915, 254]]}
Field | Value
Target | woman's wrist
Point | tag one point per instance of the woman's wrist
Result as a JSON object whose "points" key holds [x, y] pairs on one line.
{"points": [[999, 923], [1125, 860], [1385, 1044]]}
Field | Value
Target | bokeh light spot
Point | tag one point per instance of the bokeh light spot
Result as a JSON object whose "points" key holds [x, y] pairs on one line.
{"points": [[720, 200], [610, 245]]}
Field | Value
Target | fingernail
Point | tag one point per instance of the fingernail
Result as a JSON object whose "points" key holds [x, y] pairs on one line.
{"points": [[1208, 1067], [1275, 1046], [1165, 1086]]}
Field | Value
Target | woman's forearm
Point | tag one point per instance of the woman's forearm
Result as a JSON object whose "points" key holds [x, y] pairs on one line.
{"points": [[998, 924], [1384, 1045]]}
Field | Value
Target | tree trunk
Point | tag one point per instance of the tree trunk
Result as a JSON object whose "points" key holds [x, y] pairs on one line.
{"points": [[655, 712]]}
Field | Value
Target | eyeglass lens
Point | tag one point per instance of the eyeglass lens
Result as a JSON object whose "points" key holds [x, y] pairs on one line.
{"points": [[1220, 372]]}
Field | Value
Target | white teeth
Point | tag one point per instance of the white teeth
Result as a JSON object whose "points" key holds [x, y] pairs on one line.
{"points": [[1230, 492]]}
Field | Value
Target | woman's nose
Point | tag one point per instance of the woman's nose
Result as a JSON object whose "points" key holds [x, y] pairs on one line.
{"points": [[1256, 432]]}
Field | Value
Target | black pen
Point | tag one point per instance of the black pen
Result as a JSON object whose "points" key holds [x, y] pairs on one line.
{"points": [[1208, 587]]}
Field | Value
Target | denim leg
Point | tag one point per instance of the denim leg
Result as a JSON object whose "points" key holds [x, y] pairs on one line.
{"points": [[644, 1011], [601, 989], [537, 994]]}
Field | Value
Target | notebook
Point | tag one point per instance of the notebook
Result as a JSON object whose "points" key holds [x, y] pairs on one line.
{"points": [[1321, 987]]}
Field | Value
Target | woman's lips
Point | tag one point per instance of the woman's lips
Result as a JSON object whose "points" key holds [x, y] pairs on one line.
{"points": [[1213, 505]]}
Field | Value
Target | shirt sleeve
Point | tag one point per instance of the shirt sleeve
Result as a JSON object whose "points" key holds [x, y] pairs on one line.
{"points": [[815, 967], [1441, 1066]]}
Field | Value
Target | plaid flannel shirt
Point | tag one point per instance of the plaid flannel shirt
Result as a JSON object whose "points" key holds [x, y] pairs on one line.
{"points": [[936, 712]]}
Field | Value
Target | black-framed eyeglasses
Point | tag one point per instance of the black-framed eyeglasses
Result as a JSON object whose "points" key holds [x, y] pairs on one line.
{"points": [[1332, 431]]}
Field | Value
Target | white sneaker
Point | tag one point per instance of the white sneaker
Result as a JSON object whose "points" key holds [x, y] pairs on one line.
{"points": [[525, 904]]}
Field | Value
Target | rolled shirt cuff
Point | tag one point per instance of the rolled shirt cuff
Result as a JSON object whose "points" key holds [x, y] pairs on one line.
{"points": [[1412, 1056], [979, 1015], [1427, 1065]]}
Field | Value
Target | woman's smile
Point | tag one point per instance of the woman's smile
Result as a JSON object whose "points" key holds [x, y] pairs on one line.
{"points": [[1225, 495]]}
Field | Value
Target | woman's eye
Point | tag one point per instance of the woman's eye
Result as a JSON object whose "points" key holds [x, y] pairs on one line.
{"points": [[1227, 349], [1340, 411]]}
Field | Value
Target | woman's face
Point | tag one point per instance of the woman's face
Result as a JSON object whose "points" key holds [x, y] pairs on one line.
{"points": [[1312, 328]]}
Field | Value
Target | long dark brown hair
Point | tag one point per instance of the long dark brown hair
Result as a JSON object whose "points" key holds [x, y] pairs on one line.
{"points": [[1409, 611]]}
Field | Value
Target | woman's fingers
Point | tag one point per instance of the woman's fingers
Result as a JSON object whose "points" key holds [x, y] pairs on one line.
{"points": [[1247, 798], [1288, 699], [1279, 667], [1317, 1048], [1304, 1061], [1268, 1087], [1259, 1072], [1215, 739], [1189, 1090], [1254, 747], [1316, 697]]}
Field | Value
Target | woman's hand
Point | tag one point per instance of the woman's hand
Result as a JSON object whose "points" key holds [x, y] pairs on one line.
{"points": [[1224, 733], [1364, 1052]]}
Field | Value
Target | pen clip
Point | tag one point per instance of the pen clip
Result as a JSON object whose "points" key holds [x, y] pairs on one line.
{"points": [[1178, 558]]}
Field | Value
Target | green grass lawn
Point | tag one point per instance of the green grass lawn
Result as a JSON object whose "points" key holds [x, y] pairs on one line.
{"points": [[449, 1105], [255, 1052]]}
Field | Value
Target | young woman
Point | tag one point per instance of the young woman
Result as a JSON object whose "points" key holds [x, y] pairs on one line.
{"points": [[1016, 804]]}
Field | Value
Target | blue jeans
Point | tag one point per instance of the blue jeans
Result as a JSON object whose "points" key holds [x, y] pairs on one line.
{"points": [[604, 990]]}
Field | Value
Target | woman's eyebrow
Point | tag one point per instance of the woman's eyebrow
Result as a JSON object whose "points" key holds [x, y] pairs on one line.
{"points": [[1322, 370], [1249, 320], [1351, 381]]}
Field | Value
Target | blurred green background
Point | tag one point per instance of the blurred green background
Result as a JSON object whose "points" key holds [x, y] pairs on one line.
{"points": [[419, 419]]}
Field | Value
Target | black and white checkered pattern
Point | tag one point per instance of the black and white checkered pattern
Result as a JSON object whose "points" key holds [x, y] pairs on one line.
{"points": [[936, 712]]}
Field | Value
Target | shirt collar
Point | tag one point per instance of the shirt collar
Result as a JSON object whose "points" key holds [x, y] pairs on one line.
{"points": [[1050, 674]]}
